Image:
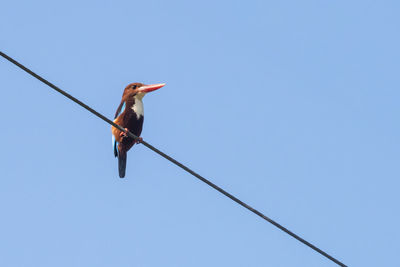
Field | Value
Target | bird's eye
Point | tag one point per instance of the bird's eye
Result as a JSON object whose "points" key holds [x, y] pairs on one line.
{"points": [[134, 86]]}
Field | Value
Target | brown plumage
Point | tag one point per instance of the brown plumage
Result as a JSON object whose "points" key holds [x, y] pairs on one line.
{"points": [[130, 116]]}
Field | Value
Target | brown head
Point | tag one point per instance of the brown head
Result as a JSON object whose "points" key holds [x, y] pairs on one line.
{"points": [[139, 90]]}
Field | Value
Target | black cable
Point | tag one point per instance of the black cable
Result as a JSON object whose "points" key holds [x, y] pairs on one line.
{"points": [[219, 189]]}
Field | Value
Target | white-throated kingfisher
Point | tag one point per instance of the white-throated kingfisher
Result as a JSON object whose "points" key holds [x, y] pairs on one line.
{"points": [[130, 116]]}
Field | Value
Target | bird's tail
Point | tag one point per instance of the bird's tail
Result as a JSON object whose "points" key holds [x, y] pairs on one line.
{"points": [[122, 155]]}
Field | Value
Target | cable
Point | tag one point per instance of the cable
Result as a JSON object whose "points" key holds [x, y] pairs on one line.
{"points": [[219, 189]]}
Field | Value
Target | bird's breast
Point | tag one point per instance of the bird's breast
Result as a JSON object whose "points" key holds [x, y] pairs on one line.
{"points": [[138, 108]]}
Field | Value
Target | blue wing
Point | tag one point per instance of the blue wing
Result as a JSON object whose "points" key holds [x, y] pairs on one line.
{"points": [[115, 146], [120, 109]]}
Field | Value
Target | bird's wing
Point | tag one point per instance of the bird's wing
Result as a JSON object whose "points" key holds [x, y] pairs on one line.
{"points": [[115, 146], [119, 111]]}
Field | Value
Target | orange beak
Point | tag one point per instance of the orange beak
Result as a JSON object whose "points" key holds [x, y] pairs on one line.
{"points": [[151, 87]]}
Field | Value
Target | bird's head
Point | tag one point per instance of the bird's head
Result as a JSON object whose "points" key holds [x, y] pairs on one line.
{"points": [[139, 90]]}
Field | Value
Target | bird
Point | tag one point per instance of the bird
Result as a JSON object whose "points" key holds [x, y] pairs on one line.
{"points": [[130, 116]]}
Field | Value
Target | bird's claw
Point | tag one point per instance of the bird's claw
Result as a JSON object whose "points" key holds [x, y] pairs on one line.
{"points": [[123, 134]]}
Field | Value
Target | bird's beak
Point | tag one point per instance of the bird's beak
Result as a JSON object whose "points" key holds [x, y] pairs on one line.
{"points": [[151, 87]]}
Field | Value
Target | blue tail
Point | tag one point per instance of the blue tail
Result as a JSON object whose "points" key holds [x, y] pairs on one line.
{"points": [[122, 155]]}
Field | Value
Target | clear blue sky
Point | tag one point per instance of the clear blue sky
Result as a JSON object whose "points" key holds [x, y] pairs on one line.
{"points": [[292, 106]]}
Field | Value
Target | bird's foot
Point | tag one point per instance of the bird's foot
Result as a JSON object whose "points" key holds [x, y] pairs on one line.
{"points": [[139, 140], [123, 134]]}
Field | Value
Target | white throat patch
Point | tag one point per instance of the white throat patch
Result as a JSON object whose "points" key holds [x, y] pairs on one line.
{"points": [[138, 107]]}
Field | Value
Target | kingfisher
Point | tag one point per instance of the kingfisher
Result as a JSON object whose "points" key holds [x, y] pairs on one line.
{"points": [[130, 115]]}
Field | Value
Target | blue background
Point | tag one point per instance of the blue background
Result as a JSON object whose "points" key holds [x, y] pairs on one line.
{"points": [[292, 106]]}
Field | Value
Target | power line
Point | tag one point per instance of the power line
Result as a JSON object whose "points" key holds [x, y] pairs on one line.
{"points": [[219, 189]]}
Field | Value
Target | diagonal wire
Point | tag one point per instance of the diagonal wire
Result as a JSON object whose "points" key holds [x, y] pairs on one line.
{"points": [[219, 189]]}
